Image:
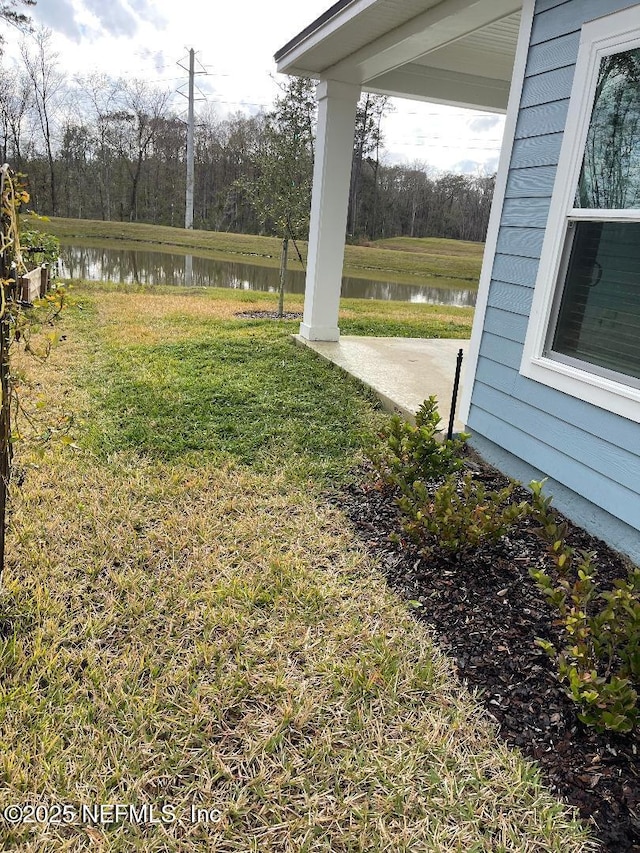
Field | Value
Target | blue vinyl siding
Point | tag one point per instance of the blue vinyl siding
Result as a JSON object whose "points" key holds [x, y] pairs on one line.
{"points": [[521, 242], [554, 54], [553, 21], [545, 5], [542, 119], [611, 461], [548, 87], [515, 270], [536, 151], [611, 497], [511, 297], [506, 324], [598, 422], [594, 453], [502, 350], [536, 182], [534, 214]]}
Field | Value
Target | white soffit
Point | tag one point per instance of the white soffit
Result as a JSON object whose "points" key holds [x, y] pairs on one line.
{"points": [[453, 51], [358, 24], [492, 47]]}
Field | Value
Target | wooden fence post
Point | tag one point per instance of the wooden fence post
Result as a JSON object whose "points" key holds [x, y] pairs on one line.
{"points": [[44, 280]]}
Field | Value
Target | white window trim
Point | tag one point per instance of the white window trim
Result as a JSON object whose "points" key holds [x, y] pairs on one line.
{"points": [[611, 34]]}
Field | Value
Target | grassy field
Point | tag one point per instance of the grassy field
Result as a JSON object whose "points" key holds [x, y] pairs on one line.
{"points": [[187, 622], [444, 263], [356, 317]]}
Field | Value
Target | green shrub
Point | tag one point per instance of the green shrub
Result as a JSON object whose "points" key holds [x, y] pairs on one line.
{"points": [[460, 515], [410, 453], [599, 662], [47, 246]]}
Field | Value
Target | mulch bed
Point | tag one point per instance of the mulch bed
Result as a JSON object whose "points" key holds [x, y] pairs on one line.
{"points": [[268, 315], [486, 613]]}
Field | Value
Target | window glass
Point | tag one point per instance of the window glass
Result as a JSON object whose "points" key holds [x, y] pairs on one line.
{"points": [[599, 314], [610, 175]]}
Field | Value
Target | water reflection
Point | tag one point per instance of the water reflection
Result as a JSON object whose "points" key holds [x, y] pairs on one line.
{"points": [[140, 267]]}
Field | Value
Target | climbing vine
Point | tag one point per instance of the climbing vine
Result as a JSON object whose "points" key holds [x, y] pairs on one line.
{"points": [[22, 322]]}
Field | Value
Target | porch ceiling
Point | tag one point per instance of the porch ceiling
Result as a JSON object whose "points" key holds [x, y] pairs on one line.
{"points": [[444, 51]]}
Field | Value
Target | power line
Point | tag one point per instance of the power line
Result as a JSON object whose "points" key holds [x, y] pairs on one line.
{"points": [[457, 147]]}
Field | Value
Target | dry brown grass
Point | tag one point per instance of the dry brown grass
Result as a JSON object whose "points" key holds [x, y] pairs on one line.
{"points": [[147, 318], [151, 317], [192, 633]]}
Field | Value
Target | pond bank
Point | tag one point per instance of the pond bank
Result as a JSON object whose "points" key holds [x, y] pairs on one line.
{"points": [[138, 266], [407, 260]]}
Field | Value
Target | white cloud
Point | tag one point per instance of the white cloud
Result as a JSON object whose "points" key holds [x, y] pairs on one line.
{"points": [[114, 17], [491, 165], [483, 124], [147, 38], [89, 19], [476, 167], [59, 16]]}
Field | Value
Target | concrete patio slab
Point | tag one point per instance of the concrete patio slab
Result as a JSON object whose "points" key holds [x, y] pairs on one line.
{"points": [[401, 371]]}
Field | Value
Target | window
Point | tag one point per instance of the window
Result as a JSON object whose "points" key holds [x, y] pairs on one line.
{"points": [[597, 321], [584, 335]]}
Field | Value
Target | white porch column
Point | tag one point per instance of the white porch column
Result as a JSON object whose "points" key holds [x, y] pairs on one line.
{"points": [[329, 201]]}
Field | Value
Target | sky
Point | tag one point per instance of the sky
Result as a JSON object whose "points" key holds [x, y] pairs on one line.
{"points": [[234, 44]]}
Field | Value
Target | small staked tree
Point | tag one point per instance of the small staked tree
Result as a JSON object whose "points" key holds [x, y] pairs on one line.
{"points": [[281, 191]]}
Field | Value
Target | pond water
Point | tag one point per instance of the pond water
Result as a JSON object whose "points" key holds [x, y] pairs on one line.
{"points": [[141, 267]]}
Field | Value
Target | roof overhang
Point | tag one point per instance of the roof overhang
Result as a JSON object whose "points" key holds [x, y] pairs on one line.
{"points": [[444, 51]]}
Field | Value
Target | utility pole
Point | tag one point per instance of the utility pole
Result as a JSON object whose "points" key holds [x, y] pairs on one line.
{"points": [[188, 215]]}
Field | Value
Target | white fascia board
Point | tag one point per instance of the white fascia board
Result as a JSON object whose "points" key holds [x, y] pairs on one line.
{"points": [[491, 242], [287, 63], [443, 87], [298, 71], [436, 27]]}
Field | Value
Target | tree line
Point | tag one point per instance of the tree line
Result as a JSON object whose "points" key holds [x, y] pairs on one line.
{"points": [[102, 147]]}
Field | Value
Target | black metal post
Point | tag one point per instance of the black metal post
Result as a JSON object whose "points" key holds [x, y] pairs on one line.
{"points": [[454, 396]]}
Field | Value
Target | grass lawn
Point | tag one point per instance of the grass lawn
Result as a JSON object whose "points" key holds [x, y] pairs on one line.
{"points": [[187, 622], [357, 316], [444, 263]]}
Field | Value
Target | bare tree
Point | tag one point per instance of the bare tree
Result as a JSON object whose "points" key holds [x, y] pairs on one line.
{"points": [[234, 150], [47, 81], [136, 124], [98, 99], [16, 98], [10, 12], [109, 148], [367, 141]]}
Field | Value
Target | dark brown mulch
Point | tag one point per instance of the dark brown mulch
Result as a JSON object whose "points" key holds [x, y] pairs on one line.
{"points": [[268, 315], [486, 613]]}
